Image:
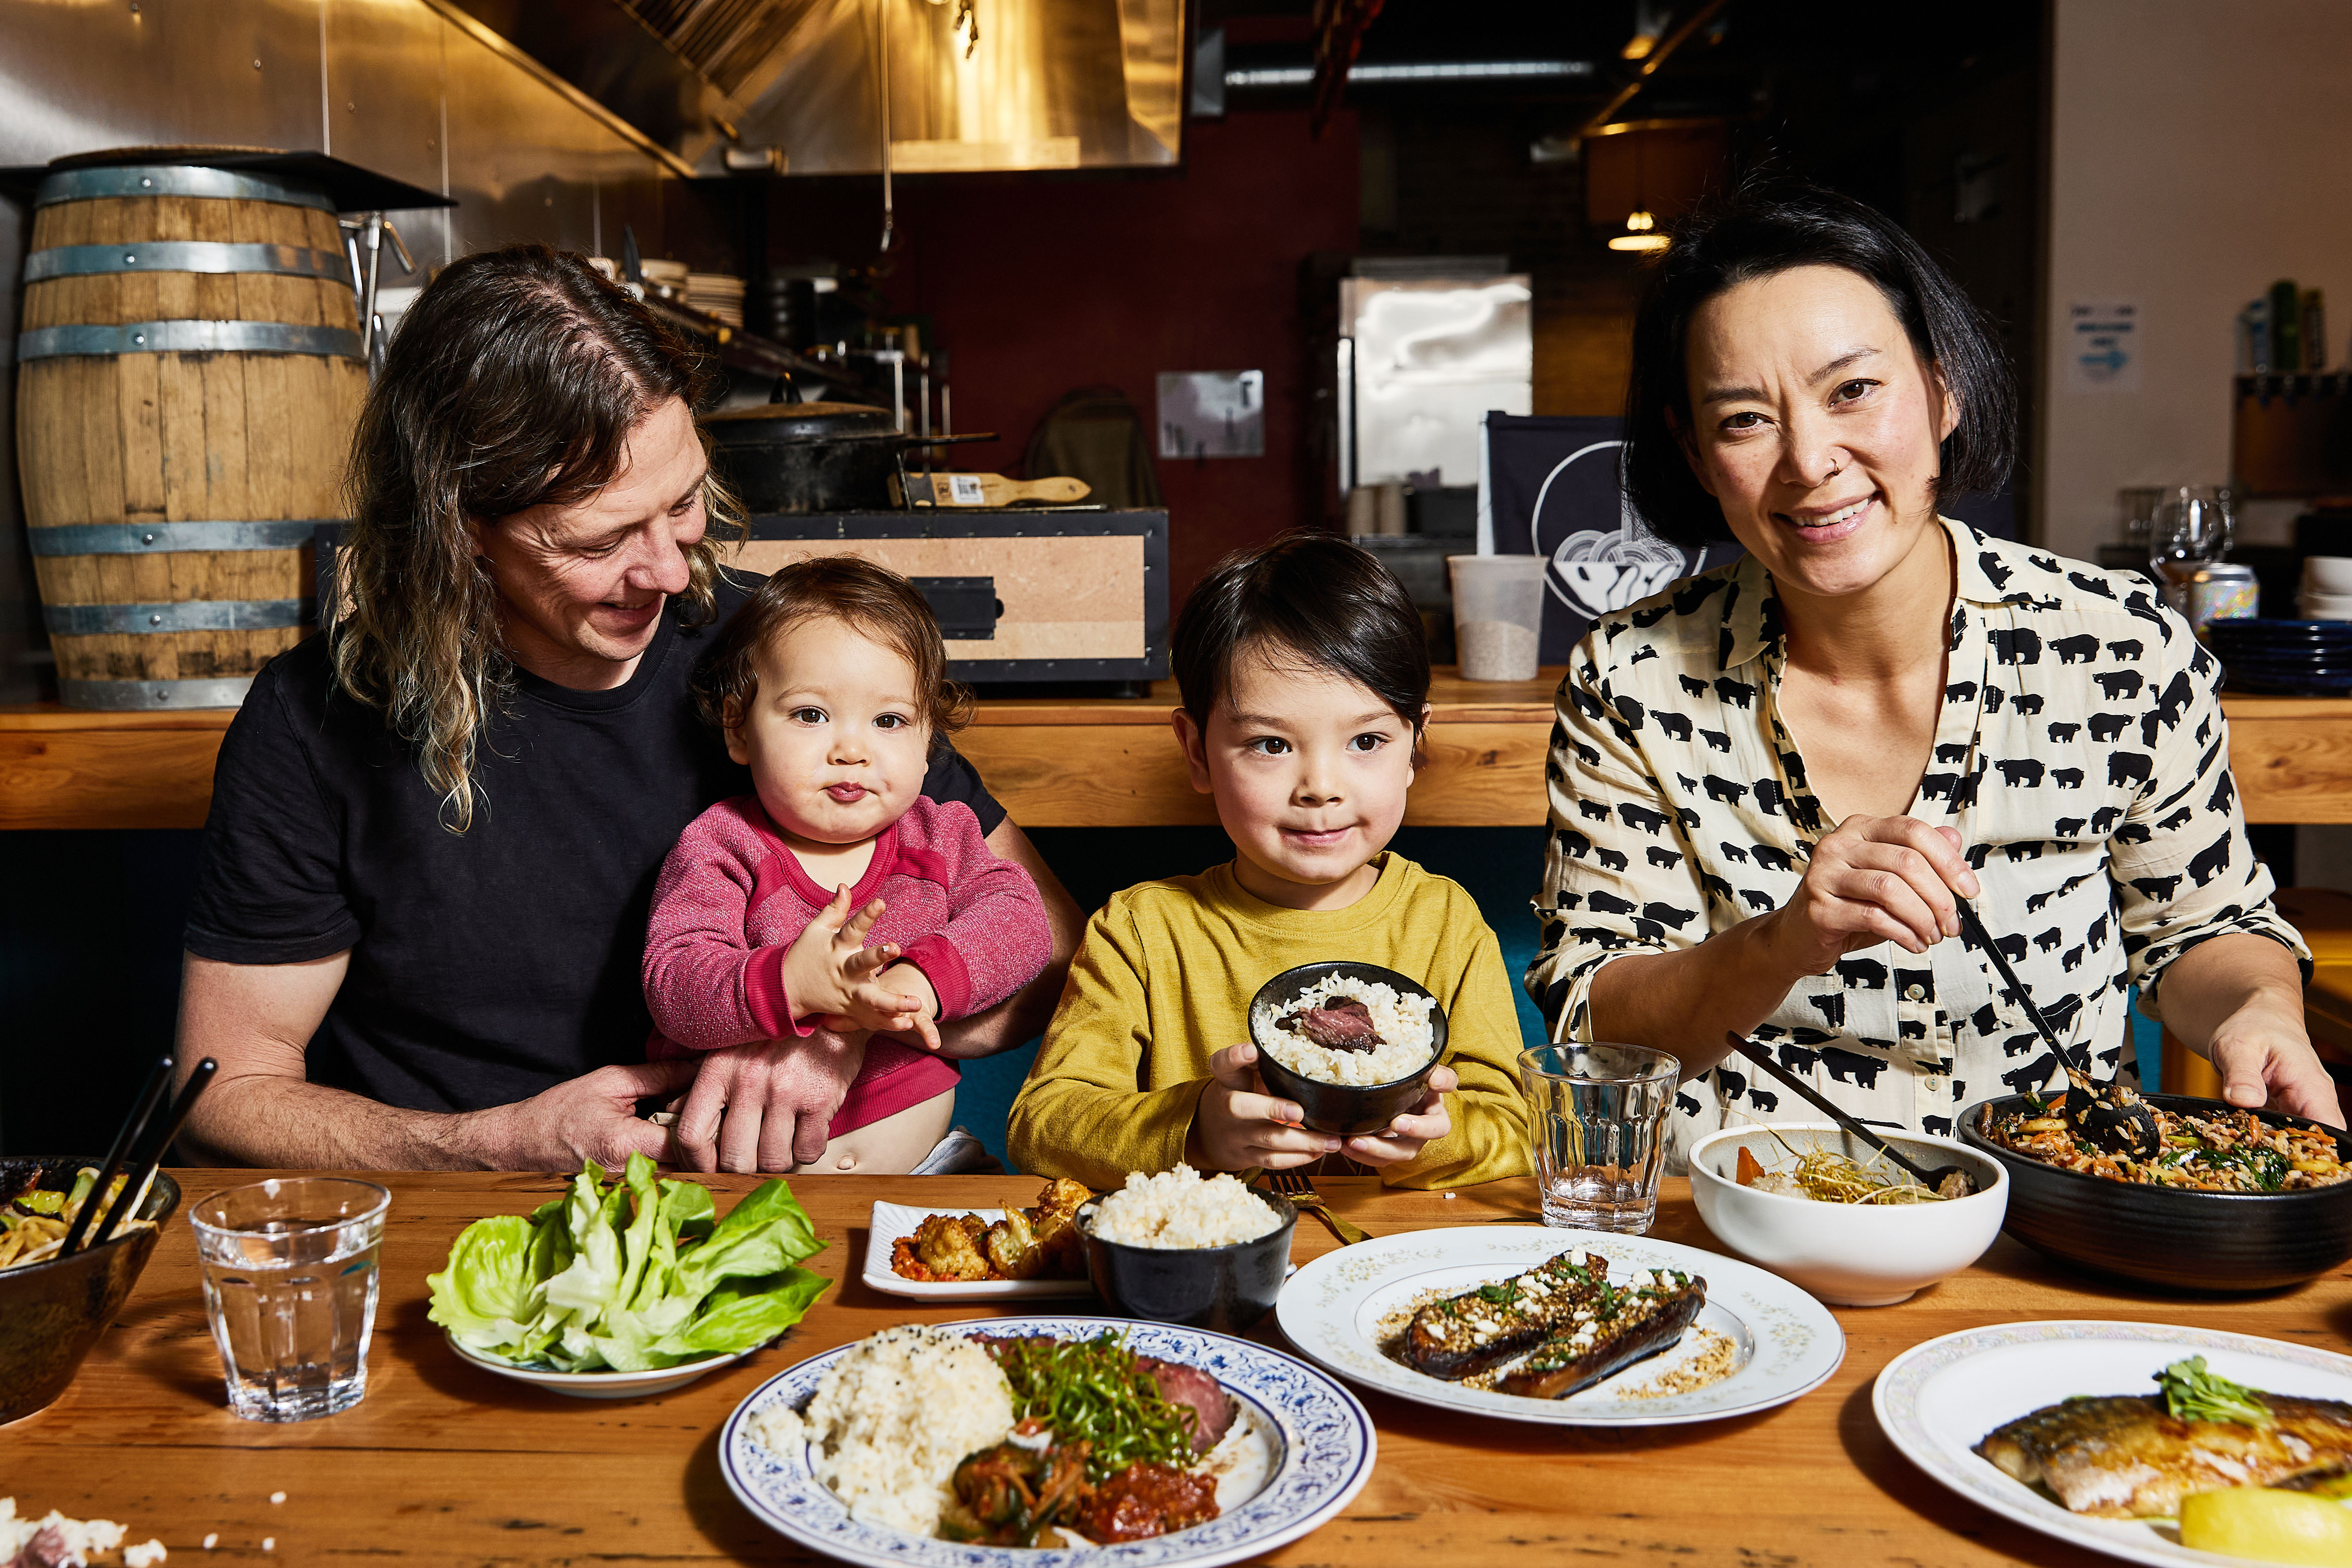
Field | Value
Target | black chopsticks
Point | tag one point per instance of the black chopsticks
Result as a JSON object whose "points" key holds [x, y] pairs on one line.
{"points": [[137, 1172]]}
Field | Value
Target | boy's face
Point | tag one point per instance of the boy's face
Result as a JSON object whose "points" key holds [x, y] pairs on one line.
{"points": [[1309, 770], [834, 737]]}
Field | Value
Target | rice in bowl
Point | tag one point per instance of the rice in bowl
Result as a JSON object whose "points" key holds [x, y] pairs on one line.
{"points": [[1399, 1019], [890, 1421], [1178, 1209]]}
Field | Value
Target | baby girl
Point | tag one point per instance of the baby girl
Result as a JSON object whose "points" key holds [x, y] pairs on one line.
{"points": [[831, 686]]}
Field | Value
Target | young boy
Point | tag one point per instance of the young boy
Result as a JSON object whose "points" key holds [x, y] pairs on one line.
{"points": [[1305, 679]]}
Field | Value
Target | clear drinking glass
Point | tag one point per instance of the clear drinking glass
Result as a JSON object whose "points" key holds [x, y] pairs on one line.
{"points": [[290, 1270], [1600, 1129], [2191, 528]]}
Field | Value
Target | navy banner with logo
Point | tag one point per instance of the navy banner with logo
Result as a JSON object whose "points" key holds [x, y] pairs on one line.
{"points": [[1553, 491]]}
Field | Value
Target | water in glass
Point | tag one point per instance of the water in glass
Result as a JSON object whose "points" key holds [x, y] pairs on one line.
{"points": [[1600, 1132], [289, 1277]]}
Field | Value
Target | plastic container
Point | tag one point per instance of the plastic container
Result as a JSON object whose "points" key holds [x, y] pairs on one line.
{"points": [[1497, 615]]}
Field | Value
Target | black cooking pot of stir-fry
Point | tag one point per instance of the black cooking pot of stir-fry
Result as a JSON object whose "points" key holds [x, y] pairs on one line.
{"points": [[51, 1313], [2178, 1237]]}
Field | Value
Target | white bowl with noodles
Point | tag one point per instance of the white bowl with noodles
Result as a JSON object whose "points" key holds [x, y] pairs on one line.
{"points": [[1848, 1254], [604, 1385]]}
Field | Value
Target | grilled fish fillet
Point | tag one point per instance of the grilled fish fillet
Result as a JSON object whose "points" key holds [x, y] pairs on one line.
{"points": [[2126, 1457], [1613, 1332], [1463, 1335]]}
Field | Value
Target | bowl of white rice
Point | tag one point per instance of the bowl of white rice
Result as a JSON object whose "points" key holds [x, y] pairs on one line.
{"points": [[1181, 1247], [1389, 1032]]}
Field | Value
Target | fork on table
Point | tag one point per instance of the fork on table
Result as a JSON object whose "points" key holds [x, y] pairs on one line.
{"points": [[1294, 1185]]}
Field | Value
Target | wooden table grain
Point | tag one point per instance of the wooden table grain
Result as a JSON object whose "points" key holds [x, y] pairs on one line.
{"points": [[444, 1463], [1092, 762]]}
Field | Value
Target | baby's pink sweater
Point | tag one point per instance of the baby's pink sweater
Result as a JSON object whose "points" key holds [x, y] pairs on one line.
{"points": [[732, 897]]}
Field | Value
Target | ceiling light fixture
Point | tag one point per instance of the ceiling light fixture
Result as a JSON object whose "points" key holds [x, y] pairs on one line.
{"points": [[1641, 234]]}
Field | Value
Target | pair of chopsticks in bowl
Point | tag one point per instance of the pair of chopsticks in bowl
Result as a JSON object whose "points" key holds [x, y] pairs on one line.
{"points": [[141, 1164]]}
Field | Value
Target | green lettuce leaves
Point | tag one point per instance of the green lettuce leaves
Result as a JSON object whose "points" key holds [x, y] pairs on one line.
{"points": [[639, 1275]]}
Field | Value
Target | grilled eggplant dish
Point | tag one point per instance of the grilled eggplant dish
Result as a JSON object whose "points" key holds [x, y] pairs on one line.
{"points": [[2137, 1455], [1564, 1323]]}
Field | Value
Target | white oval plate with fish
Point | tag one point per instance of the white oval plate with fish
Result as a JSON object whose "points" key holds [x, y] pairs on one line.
{"points": [[893, 1220], [1938, 1401], [1318, 1451], [1782, 1341]]}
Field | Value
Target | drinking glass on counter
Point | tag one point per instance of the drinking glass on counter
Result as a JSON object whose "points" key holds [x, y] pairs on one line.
{"points": [[1600, 1132], [289, 1273], [2192, 529], [1499, 602]]}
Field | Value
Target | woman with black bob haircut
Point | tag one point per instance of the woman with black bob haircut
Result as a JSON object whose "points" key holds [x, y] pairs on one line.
{"points": [[1771, 784]]}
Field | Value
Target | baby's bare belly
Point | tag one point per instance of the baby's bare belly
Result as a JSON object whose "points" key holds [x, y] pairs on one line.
{"points": [[891, 1147]]}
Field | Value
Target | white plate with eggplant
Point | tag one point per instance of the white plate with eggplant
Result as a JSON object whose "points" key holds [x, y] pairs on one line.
{"points": [[1571, 1327], [2149, 1442]]}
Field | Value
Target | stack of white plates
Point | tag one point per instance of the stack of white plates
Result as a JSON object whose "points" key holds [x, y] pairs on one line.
{"points": [[2326, 588], [715, 293]]}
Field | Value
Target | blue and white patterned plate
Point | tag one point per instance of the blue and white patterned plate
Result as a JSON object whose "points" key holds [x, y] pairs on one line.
{"points": [[1325, 1444], [1783, 1341], [1936, 1401]]}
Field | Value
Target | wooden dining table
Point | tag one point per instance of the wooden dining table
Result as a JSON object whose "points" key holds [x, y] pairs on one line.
{"points": [[445, 1463]]}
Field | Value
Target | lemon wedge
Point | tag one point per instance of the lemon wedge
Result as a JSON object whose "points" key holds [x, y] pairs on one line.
{"points": [[2275, 1526]]}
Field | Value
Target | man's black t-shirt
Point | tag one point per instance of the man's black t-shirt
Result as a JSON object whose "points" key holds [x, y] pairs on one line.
{"points": [[487, 966]]}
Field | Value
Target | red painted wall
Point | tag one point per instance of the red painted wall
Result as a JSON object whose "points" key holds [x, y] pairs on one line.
{"points": [[1037, 284]]}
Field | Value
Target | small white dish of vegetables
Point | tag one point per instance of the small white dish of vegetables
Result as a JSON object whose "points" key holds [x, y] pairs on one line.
{"points": [[627, 1291]]}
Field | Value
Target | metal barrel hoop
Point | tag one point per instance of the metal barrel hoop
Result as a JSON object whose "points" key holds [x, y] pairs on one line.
{"points": [[185, 255], [178, 180], [119, 696], [163, 538], [179, 615], [189, 337]]}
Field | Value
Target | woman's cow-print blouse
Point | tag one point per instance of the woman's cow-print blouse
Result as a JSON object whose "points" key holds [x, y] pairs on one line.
{"points": [[2081, 755]]}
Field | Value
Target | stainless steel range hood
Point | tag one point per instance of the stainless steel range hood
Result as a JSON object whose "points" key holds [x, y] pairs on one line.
{"points": [[1051, 84]]}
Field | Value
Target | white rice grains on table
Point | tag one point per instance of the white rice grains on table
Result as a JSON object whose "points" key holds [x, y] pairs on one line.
{"points": [[68, 1539], [1401, 1020], [1176, 1208], [890, 1421]]}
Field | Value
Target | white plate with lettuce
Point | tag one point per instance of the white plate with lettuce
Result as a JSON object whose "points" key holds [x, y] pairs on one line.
{"points": [[630, 1290]]}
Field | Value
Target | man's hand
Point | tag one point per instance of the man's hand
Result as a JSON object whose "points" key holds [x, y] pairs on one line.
{"points": [[592, 1117], [766, 1107], [1239, 1126], [1410, 1131]]}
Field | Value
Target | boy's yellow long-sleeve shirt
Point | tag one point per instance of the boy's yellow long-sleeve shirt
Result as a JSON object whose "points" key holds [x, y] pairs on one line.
{"points": [[1163, 980]]}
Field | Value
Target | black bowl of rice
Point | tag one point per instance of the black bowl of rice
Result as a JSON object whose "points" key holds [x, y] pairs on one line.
{"points": [[1343, 1090], [1180, 1248]]}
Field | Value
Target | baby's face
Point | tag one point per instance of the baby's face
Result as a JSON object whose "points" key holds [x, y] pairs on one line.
{"points": [[1309, 770], [836, 738]]}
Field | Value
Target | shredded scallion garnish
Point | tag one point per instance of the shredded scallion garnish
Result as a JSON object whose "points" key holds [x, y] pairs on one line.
{"points": [[1091, 1390]]}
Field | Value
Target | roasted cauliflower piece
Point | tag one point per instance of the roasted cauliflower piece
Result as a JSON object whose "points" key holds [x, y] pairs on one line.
{"points": [[947, 1244]]}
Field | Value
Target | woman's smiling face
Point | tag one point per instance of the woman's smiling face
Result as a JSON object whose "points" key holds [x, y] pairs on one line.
{"points": [[1816, 426]]}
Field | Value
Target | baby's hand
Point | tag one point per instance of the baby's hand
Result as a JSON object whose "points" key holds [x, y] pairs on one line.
{"points": [[1424, 1123], [915, 998], [1239, 1126], [829, 971]]}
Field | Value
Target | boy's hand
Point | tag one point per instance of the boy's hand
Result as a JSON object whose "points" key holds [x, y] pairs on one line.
{"points": [[1424, 1123], [830, 971], [1240, 1127]]}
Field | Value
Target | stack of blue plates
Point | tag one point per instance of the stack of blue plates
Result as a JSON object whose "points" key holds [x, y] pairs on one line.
{"points": [[2302, 657]]}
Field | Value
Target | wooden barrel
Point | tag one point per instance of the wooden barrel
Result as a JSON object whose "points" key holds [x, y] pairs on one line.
{"points": [[189, 377]]}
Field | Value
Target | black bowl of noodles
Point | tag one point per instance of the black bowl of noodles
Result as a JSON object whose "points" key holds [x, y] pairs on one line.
{"points": [[52, 1313], [2179, 1237], [1371, 1088]]}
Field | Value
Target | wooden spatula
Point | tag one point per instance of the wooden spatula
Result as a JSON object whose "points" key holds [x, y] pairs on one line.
{"points": [[992, 490]]}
